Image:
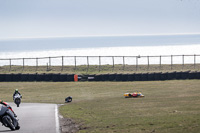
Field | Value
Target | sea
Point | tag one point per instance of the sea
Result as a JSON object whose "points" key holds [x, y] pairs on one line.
{"points": [[130, 45]]}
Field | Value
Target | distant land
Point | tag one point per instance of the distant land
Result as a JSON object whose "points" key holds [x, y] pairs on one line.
{"points": [[38, 44]]}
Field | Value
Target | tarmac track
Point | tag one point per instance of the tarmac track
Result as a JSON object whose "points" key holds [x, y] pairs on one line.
{"points": [[35, 118]]}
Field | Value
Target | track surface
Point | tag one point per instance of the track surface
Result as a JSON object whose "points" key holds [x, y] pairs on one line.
{"points": [[35, 118]]}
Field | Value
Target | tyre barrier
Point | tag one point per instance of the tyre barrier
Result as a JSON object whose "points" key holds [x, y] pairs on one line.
{"points": [[40, 77], [157, 76], [144, 76], [84, 78], [2, 77], [164, 76], [119, 77], [178, 75], [197, 75], [138, 77], [63, 77], [70, 77], [48, 77], [32, 77], [112, 77], [56, 77], [24, 77], [185, 75], [16, 77], [131, 77], [151, 76], [100, 77], [8, 77], [171, 75], [192, 75], [105, 77], [124, 77], [91, 77]]}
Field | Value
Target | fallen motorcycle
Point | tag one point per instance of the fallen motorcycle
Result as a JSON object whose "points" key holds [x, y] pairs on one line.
{"points": [[17, 99], [8, 118], [133, 95]]}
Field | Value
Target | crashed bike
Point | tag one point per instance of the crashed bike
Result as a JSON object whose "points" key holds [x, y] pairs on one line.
{"points": [[8, 117]]}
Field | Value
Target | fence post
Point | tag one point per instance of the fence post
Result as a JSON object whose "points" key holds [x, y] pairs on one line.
{"points": [[194, 61], [36, 64], [160, 62], [183, 62], [171, 61], [10, 65], [87, 63], [148, 62], [62, 63], [49, 63], [75, 62], [99, 63], [113, 63], [23, 64], [123, 63], [136, 63], [47, 67]]}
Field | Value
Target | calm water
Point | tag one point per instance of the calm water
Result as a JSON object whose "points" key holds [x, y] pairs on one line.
{"points": [[101, 46], [96, 42]]}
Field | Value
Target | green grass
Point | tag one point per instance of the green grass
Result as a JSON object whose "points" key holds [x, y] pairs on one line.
{"points": [[169, 106], [96, 69]]}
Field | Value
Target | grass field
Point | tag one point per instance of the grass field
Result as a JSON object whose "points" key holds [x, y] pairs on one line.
{"points": [[168, 107], [95, 69]]}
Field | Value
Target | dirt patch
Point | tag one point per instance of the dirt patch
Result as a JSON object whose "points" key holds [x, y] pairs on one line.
{"points": [[68, 125]]}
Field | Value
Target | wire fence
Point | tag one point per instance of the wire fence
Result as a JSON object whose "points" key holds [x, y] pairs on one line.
{"points": [[137, 63]]}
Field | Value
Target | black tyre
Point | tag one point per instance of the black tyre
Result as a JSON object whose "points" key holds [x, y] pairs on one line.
{"points": [[17, 127], [8, 122], [17, 101]]}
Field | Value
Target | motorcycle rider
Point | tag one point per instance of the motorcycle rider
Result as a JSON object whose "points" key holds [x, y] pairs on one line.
{"points": [[5, 104], [16, 92], [1, 102]]}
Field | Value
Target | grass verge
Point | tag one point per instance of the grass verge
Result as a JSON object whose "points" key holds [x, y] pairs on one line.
{"points": [[168, 106], [96, 69]]}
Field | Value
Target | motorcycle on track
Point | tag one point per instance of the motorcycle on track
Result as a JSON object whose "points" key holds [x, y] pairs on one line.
{"points": [[8, 118], [17, 99]]}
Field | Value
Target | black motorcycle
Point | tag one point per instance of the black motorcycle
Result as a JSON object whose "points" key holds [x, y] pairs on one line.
{"points": [[17, 99], [8, 118]]}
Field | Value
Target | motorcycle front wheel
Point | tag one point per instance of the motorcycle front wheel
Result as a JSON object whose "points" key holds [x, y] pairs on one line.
{"points": [[8, 122]]}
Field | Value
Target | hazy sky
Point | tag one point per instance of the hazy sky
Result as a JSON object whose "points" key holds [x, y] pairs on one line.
{"points": [[54, 18]]}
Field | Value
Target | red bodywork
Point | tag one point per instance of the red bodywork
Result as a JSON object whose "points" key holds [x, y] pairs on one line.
{"points": [[8, 106]]}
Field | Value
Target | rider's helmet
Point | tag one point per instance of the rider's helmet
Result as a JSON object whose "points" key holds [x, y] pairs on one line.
{"points": [[16, 90]]}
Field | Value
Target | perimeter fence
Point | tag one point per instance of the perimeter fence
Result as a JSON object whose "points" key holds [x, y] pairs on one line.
{"points": [[102, 63]]}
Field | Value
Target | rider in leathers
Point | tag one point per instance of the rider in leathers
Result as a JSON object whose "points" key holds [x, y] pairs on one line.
{"points": [[16, 92], [5, 104]]}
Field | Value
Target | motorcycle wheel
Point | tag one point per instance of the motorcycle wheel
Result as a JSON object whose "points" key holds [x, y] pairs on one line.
{"points": [[8, 122], [17, 127]]}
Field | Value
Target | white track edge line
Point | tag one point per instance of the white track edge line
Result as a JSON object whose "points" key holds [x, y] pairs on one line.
{"points": [[57, 119]]}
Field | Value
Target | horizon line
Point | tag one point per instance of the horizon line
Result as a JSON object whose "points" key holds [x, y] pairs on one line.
{"points": [[82, 36]]}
